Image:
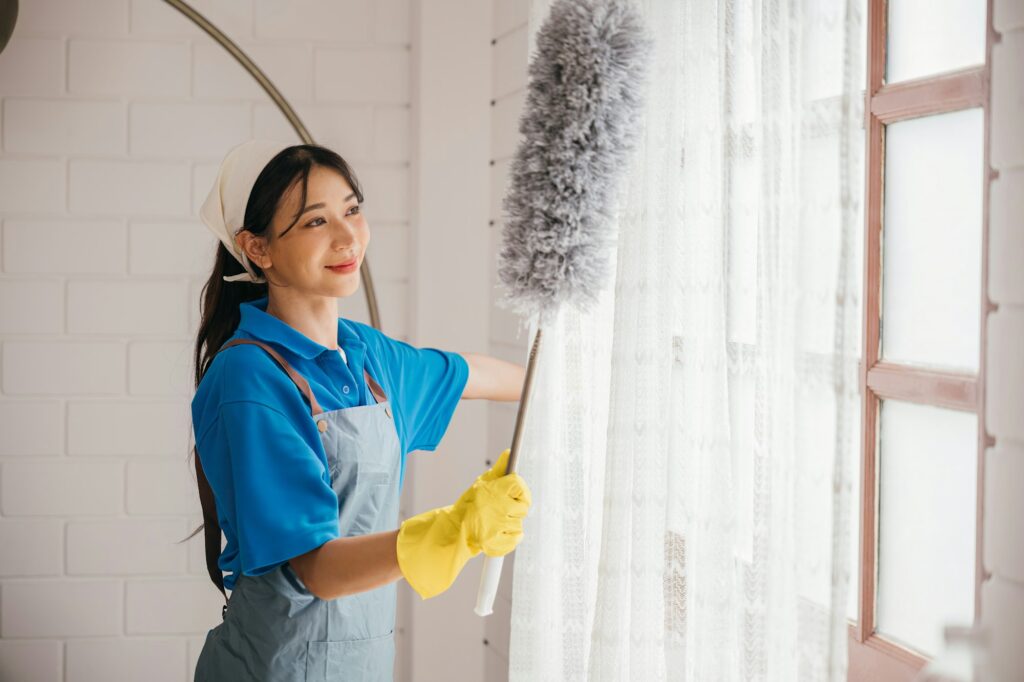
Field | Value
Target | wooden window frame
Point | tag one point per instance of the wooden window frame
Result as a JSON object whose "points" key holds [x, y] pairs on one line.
{"points": [[871, 655]]}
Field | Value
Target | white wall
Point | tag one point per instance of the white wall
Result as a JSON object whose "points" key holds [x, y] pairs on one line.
{"points": [[1002, 606], [507, 341], [115, 115], [448, 302], [467, 94]]}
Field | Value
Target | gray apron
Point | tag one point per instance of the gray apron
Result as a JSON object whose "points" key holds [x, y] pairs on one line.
{"points": [[274, 628]]}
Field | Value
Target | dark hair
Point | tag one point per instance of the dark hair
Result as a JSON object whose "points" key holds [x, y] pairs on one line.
{"points": [[220, 310]]}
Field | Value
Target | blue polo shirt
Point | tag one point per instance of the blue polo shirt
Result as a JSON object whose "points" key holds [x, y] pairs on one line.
{"points": [[259, 446]]}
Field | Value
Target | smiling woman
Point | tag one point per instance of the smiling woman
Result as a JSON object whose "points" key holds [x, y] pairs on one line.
{"points": [[312, 254], [303, 420]]}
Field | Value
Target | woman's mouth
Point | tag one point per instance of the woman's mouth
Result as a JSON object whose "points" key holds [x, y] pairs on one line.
{"points": [[343, 268]]}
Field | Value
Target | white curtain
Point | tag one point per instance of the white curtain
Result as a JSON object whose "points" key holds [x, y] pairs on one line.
{"points": [[693, 443]]}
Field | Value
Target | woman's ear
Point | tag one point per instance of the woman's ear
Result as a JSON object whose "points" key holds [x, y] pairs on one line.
{"points": [[255, 248]]}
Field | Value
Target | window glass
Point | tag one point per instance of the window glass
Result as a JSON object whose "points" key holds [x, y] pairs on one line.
{"points": [[926, 522], [931, 240], [929, 37]]}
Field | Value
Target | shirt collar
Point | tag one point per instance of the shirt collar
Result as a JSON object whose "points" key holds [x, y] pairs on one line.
{"points": [[257, 322]]}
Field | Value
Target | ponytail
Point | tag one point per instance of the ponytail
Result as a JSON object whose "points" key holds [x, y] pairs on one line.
{"points": [[220, 313]]}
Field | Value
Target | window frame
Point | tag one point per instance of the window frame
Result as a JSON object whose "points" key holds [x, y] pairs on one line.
{"points": [[871, 655]]}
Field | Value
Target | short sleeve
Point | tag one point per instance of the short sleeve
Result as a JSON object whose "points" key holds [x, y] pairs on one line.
{"points": [[426, 386], [284, 503]]}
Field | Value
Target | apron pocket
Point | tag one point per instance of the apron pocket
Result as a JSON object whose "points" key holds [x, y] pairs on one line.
{"points": [[355, 660], [363, 501]]}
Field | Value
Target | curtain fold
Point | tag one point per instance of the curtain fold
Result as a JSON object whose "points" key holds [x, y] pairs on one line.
{"points": [[692, 442]]}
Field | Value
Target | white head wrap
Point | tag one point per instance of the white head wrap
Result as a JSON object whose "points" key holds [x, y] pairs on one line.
{"points": [[224, 209]]}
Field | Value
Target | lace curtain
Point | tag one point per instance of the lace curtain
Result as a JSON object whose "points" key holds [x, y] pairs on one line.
{"points": [[693, 443]]}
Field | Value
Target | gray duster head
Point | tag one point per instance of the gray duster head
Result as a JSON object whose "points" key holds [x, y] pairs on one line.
{"points": [[579, 124]]}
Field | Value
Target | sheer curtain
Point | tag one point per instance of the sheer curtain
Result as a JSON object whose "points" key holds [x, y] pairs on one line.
{"points": [[692, 444]]}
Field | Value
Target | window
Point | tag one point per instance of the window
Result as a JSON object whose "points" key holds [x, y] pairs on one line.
{"points": [[922, 377]]}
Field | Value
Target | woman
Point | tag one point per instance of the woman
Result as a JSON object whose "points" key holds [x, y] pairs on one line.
{"points": [[302, 423]]}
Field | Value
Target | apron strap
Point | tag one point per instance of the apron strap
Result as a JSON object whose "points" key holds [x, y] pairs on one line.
{"points": [[300, 381], [375, 389]]}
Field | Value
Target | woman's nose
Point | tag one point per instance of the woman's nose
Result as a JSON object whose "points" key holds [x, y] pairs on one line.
{"points": [[343, 244], [344, 235]]}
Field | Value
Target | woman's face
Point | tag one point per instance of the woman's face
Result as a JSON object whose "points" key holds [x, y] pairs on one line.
{"points": [[331, 231]]}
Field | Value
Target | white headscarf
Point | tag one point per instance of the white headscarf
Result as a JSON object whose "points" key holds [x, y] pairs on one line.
{"points": [[224, 209]]}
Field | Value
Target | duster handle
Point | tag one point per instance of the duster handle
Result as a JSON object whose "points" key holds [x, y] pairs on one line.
{"points": [[491, 575]]}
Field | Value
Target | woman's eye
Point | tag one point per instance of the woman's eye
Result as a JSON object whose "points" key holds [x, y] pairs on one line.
{"points": [[314, 223]]}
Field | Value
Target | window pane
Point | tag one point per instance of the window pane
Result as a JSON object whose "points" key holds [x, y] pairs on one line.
{"points": [[931, 250], [926, 522], [928, 37]]}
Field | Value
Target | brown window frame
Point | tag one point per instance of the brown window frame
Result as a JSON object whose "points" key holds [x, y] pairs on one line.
{"points": [[871, 655]]}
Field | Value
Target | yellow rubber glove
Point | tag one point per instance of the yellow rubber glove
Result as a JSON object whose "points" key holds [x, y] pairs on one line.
{"points": [[488, 517]]}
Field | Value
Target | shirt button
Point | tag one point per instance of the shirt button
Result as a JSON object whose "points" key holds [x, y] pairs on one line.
{"points": [[344, 389], [321, 425]]}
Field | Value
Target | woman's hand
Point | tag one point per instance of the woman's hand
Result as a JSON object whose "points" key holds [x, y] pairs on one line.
{"points": [[488, 517]]}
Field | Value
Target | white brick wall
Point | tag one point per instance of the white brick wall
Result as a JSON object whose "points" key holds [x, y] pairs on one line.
{"points": [[1002, 599], [26, 244], [114, 115], [126, 658]]}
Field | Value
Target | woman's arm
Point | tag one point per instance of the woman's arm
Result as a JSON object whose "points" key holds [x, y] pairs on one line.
{"points": [[492, 379], [345, 566]]}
